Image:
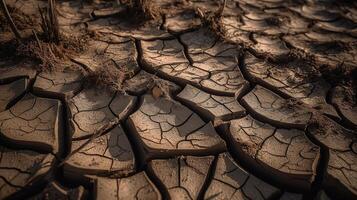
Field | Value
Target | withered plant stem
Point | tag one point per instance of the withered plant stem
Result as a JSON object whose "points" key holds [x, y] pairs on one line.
{"points": [[49, 22], [37, 40], [53, 19], [10, 21]]}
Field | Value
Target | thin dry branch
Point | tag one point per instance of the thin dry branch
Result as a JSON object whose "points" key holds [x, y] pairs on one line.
{"points": [[10, 21]]}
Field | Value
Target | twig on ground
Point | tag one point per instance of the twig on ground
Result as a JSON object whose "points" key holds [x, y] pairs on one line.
{"points": [[37, 40], [144, 9]]}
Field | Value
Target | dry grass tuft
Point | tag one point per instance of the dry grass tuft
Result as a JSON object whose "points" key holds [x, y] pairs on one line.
{"points": [[9, 19], [49, 22], [47, 54], [102, 78], [107, 77], [50, 56], [213, 20], [49, 48], [20, 19], [140, 11]]}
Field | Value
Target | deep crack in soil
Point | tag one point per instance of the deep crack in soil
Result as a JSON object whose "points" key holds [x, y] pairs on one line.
{"points": [[180, 99]]}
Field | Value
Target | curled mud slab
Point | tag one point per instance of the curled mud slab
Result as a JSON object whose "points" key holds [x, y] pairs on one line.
{"points": [[253, 109]]}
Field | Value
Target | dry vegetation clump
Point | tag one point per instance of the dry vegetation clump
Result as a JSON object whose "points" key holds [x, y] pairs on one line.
{"points": [[13, 23], [9, 19], [140, 10], [50, 55], [213, 20], [48, 47], [107, 77], [49, 23], [21, 20]]}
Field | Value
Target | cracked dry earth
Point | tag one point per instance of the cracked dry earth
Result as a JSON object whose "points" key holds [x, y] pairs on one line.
{"points": [[241, 118]]}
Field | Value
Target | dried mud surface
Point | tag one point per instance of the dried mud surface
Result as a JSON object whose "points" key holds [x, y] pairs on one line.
{"points": [[266, 109]]}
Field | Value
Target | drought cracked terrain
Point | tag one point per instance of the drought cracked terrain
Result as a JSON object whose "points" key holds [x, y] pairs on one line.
{"points": [[258, 111]]}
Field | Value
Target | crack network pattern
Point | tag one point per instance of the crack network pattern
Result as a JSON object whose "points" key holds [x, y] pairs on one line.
{"points": [[246, 114]]}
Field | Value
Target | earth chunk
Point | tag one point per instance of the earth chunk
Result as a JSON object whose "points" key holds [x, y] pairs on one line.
{"points": [[165, 126], [34, 122]]}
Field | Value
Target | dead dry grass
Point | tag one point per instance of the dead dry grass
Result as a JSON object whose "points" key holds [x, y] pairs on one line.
{"points": [[51, 49], [107, 77], [49, 22], [21, 20], [213, 20], [44, 44], [51, 56], [140, 11]]}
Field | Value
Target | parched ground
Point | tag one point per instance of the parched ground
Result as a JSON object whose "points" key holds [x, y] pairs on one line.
{"points": [[262, 108]]}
